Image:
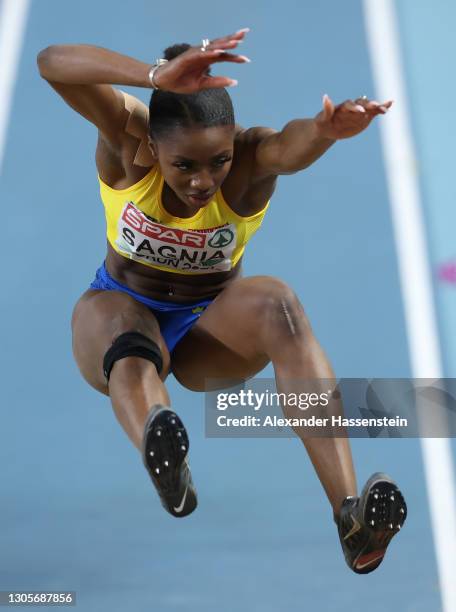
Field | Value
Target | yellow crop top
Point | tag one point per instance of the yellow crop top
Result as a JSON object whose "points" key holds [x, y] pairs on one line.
{"points": [[139, 228]]}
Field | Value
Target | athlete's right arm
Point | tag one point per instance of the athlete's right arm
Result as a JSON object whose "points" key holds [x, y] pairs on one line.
{"points": [[83, 75]]}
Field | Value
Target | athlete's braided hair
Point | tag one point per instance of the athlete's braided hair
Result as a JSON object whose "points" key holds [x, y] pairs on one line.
{"points": [[206, 108]]}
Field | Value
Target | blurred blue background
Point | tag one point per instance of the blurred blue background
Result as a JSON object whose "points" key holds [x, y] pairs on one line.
{"points": [[78, 510]]}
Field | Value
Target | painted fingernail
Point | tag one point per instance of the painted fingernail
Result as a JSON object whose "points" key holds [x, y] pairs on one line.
{"points": [[243, 30], [383, 108], [233, 83], [245, 58], [359, 108]]}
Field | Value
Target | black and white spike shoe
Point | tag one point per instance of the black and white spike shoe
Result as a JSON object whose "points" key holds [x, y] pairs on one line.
{"points": [[164, 450], [366, 524]]}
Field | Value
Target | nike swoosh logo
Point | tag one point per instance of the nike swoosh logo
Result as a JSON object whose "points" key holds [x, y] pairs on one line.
{"points": [[180, 507], [356, 527], [373, 560]]}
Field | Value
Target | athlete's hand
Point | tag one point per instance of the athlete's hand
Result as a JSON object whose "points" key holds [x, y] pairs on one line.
{"points": [[349, 118], [186, 73]]}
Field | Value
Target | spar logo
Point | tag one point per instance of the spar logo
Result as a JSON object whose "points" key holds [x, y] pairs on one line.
{"points": [[136, 219], [205, 250]]}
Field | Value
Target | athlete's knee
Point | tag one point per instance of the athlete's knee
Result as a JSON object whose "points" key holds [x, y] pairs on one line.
{"points": [[280, 310], [99, 321], [132, 344]]}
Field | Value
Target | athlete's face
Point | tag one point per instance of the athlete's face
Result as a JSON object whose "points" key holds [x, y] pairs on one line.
{"points": [[195, 162]]}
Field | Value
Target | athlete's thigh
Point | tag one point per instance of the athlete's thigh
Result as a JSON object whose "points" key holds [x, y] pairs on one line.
{"points": [[101, 316], [225, 342]]}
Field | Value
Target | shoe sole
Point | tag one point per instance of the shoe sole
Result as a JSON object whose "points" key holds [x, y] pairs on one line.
{"points": [[384, 512], [165, 449]]}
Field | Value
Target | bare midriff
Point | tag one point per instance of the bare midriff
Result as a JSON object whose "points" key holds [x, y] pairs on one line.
{"points": [[167, 286]]}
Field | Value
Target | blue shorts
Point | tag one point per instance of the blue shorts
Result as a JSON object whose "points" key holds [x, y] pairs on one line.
{"points": [[175, 320]]}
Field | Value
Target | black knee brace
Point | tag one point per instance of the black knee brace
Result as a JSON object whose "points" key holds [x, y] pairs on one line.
{"points": [[132, 344]]}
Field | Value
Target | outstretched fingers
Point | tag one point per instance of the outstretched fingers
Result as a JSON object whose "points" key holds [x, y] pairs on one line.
{"points": [[364, 106], [226, 43], [231, 40], [349, 118], [188, 72], [215, 82], [230, 57], [213, 56], [349, 105], [372, 106]]}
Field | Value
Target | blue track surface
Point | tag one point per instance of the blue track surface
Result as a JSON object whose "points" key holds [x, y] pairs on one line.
{"points": [[79, 512]]}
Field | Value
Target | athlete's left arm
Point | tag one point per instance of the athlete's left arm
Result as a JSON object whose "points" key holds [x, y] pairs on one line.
{"points": [[303, 141]]}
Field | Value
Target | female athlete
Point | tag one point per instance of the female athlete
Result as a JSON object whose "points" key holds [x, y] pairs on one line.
{"points": [[184, 189]]}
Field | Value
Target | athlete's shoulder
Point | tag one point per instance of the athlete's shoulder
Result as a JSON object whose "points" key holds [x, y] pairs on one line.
{"points": [[254, 135], [247, 144]]}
